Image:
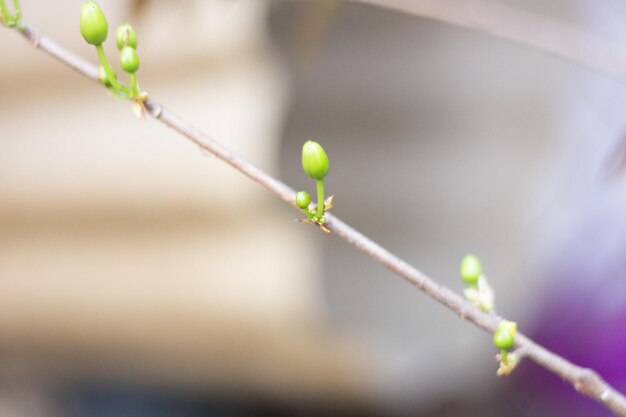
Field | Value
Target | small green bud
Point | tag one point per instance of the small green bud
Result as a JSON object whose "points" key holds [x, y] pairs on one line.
{"points": [[471, 269], [314, 160], [303, 199], [504, 336], [93, 24], [129, 61], [126, 36]]}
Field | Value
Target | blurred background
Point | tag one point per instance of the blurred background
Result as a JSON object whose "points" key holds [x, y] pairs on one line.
{"points": [[140, 276]]}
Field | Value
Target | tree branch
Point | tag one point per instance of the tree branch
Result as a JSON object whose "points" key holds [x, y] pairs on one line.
{"points": [[585, 381]]}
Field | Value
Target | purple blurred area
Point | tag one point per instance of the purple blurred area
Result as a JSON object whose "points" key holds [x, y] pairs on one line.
{"points": [[584, 295]]}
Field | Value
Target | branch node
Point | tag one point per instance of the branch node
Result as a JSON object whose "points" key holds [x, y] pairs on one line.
{"points": [[587, 383], [35, 40], [156, 111]]}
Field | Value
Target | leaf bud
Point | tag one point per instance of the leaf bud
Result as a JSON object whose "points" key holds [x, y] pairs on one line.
{"points": [[129, 61], [93, 24], [126, 36], [471, 269], [314, 160], [504, 336], [303, 199]]}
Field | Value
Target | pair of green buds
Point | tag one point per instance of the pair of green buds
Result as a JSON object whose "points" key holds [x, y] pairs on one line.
{"points": [[480, 293], [95, 29], [315, 164], [11, 20]]}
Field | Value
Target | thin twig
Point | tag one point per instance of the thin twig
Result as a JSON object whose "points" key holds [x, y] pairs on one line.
{"points": [[513, 24], [586, 381]]}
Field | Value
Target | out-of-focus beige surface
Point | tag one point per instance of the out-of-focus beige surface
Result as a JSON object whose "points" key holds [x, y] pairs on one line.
{"points": [[124, 250]]}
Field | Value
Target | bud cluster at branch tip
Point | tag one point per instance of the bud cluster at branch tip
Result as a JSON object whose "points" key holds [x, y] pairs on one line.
{"points": [[315, 164], [95, 29]]}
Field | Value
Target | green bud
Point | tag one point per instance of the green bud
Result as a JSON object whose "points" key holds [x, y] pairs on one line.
{"points": [[303, 199], [93, 24], [471, 269], [314, 160], [504, 336], [126, 36], [129, 61]]}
